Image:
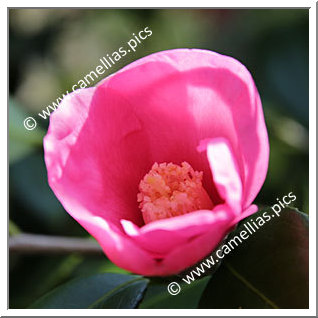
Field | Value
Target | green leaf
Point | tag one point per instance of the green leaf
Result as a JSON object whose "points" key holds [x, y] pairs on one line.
{"points": [[33, 202], [42, 273], [13, 228], [157, 295], [269, 269], [96, 291], [96, 264]]}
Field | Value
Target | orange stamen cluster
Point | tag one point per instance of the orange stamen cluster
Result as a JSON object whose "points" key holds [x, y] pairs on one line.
{"points": [[170, 190]]}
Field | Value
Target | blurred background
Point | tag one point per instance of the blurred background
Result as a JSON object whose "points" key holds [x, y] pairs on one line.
{"points": [[51, 49]]}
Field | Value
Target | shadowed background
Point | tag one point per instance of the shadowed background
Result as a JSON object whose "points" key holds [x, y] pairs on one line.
{"points": [[52, 49]]}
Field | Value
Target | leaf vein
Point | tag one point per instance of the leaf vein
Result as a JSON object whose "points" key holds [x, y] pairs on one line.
{"points": [[250, 286]]}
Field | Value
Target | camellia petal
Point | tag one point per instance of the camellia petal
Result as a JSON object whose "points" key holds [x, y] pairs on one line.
{"points": [[174, 232], [205, 95], [225, 171]]}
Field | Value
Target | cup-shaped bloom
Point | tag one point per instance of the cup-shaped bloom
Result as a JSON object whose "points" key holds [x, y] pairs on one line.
{"points": [[160, 160]]}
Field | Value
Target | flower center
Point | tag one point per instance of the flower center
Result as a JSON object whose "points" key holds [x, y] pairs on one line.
{"points": [[169, 190]]}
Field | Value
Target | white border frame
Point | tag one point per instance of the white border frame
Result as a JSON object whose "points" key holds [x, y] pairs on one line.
{"points": [[312, 164]]}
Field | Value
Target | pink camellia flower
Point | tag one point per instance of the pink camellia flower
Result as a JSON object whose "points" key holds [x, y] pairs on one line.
{"points": [[161, 159]]}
